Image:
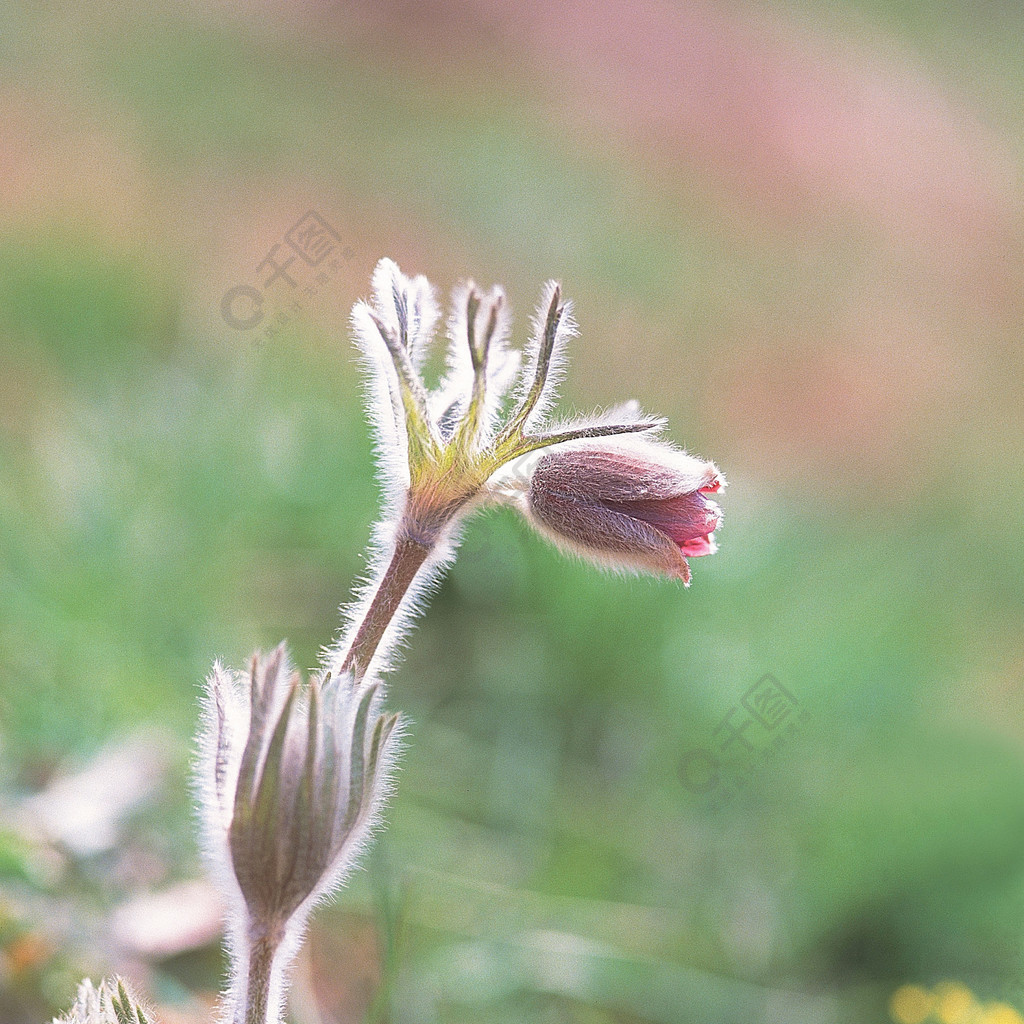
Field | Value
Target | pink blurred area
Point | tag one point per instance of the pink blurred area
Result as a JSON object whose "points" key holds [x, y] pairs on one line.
{"points": [[878, 198], [796, 121], [875, 200]]}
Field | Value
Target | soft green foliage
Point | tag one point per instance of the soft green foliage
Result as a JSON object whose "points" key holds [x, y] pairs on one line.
{"points": [[196, 502]]}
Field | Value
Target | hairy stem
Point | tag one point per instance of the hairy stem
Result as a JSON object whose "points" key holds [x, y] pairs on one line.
{"points": [[257, 1003], [406, 560]]}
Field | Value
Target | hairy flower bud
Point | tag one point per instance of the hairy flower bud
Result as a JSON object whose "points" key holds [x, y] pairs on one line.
{"points": [[448, 449], [110, 1003], [639, 505], [291, 780]]}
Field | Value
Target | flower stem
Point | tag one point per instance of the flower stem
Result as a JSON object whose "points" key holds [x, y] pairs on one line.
{"points": [[406, 560], [256, 1004]]}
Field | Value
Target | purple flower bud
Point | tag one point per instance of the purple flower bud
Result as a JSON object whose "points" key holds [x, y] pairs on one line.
{"points": [[292, 778], [640, 506]]}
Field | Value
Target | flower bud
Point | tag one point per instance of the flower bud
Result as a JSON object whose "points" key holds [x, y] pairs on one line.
{"points": [[110, 1003], [291, 779], [640, 505]]}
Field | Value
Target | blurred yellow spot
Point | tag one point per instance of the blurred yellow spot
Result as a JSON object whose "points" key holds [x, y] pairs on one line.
{"points": [[1000, 1013], [910, 1004], [953, 1002]]}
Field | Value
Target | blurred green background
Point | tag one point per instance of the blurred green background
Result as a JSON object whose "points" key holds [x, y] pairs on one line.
{"points": [[793, 228]]}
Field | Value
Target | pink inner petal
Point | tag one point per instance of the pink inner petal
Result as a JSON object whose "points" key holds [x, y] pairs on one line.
{"points": [[697, 546], [685, 518]]}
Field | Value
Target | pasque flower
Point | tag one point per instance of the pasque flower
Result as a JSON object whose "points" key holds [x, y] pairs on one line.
{"points": [[447, 450], [293, 777], [637, 505], [439, 447]]}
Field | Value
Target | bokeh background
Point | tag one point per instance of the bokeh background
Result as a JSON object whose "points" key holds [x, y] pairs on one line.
{"points": [[793, 227]]}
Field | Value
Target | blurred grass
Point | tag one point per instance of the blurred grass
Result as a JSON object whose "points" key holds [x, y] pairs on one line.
{"points": [[170, 495]]}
